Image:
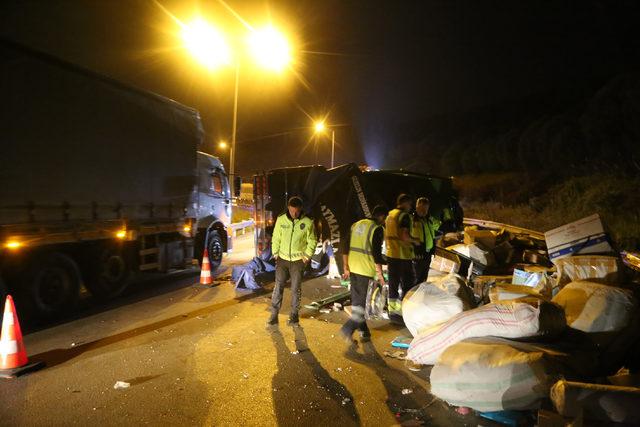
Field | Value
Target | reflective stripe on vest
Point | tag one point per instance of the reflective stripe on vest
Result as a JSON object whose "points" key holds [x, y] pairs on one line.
{"points": [[361, 248], [396, 248]]}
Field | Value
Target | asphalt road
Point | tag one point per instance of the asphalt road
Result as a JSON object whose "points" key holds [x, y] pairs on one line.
{"points": [[198, 355]]}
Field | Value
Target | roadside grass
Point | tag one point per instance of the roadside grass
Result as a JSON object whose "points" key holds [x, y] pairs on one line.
{"points": [[615, 198]]}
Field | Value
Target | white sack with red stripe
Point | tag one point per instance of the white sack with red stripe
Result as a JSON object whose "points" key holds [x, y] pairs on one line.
{"points": [[435, 302], [508, 319]]}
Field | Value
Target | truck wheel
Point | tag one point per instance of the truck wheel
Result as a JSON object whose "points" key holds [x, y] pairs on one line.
{"points": [[110, 275], [52, 284], [214, 246]]}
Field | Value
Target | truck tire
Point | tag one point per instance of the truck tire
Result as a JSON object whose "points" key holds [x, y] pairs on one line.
{"points": [[51, 283], [215, 248], [109, 274]]}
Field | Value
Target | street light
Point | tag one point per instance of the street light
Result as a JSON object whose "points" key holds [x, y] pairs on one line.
{"points": [[222, 145], [206, 44], [268, 47], [319, 128]]}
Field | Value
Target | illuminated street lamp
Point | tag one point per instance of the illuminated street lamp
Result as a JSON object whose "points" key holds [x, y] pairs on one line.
{"points": [[222, 145], [268, 47], [319, 128]]}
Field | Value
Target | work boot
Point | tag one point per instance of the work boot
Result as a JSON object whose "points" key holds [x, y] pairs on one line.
{"points": [[346, 332], [293, 320], [273, 320], [365, 336]]}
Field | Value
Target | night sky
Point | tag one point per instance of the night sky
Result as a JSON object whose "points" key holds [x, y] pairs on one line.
{"points": [[371, 65]]}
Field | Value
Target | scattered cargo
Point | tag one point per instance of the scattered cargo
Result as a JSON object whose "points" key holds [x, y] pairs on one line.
{"points": [[509, 319], [607, 403], [565, 289], [435, 302], [585, 236], [592, 307]]}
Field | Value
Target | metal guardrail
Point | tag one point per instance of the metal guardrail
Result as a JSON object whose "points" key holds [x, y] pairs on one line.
{"points": [[241, 226], [498, 225]]}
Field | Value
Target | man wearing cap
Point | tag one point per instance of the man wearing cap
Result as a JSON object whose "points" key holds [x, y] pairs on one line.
{"points": [[362, 262], [292, 244], [424, 229], [400, 254]]}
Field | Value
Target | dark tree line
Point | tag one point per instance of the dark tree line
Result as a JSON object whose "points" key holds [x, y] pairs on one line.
{"points": [[566, 135]]}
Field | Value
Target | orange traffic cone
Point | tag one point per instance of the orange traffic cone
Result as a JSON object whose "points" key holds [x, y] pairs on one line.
{"points": [[13, 356], [205, 270]]}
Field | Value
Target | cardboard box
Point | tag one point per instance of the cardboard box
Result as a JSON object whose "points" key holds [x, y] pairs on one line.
{"points": [[475, 252], [585, 236], [444, 265], [486, 238], [594, 268]]}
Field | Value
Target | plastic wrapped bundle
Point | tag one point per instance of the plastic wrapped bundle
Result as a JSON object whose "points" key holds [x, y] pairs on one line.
{"points": [[493, 374], [592, 307], [435, 302]]}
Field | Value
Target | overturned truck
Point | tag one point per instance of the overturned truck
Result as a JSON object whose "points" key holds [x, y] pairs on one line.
{"points": [[338, 197]]}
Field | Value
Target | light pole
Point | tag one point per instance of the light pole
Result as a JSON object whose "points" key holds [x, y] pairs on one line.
{"points": [[234, 127], [269, 48], [319, 128]]}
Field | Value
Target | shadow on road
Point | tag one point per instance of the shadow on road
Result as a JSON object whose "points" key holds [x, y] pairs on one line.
{"points": [[302, 387], [62, 355], [404, 407]]}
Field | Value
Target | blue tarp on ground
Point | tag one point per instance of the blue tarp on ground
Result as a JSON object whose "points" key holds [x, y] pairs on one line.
{"points": [[244, 276]]}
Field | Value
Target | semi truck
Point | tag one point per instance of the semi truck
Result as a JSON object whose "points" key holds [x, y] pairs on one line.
{"points": [[338, 197], [98, 180]]}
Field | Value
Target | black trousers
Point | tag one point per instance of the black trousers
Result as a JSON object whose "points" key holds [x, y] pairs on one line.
{"points": [[421, 268], [285, 270], [359, 287], [401, 276]]}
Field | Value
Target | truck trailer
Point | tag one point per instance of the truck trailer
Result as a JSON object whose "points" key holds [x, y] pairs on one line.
{"points": [[338, 197], [98, 179]]}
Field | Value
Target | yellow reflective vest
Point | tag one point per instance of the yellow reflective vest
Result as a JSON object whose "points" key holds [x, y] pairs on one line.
{"points": [[396, 248], [293, 238], [361, 248], [424, 229]]}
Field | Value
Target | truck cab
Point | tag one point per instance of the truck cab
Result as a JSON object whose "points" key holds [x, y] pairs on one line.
{"points": [[212, 209]]}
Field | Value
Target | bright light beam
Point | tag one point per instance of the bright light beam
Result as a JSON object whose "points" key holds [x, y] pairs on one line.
{"points": [[206, 44], [270, 48]]}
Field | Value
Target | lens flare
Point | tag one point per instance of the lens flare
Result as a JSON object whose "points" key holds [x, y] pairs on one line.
{"points": [[270, 48], [206, 44]]}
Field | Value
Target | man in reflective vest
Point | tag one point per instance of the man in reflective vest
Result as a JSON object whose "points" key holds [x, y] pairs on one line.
{"points": [[363, 262], [424, 229], [292, 244], [400, 254]]}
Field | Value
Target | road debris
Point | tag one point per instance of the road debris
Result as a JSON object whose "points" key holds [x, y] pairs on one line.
{"points": [[295, 352], [400, 355], [346, 400], [119, 385], [463, 410], [407, 391], [337, 306]]}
